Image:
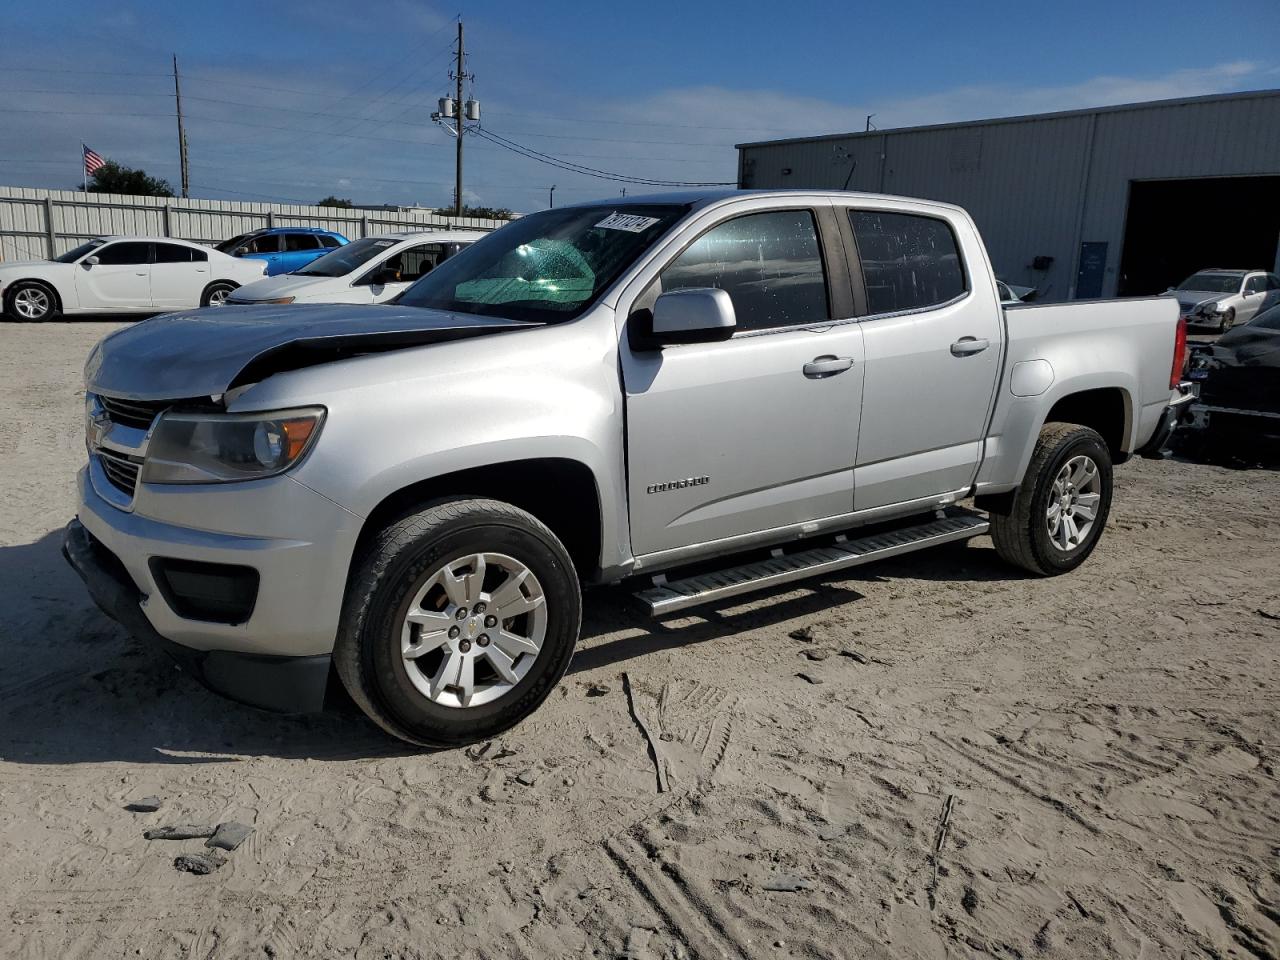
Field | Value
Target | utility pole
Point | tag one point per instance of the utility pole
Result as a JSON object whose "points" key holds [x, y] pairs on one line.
{"points": [[869, 116], [182, 133], [453, 114], [551, 202], [459, 74]]}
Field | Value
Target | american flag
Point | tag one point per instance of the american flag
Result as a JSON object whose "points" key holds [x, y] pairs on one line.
{"points": [[92, 162]]}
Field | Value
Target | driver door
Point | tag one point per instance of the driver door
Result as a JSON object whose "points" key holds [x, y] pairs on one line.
{"points": [[731, 439], [120, 280]]}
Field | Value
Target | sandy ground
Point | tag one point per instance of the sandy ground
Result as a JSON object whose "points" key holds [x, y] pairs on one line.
{"points": [[1105, 744]]}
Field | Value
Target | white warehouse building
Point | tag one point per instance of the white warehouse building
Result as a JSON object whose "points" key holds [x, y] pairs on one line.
{"points": [[1113, 201]]}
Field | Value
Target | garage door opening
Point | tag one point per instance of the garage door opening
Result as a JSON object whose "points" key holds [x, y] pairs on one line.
{"points": [[1176, 227]]}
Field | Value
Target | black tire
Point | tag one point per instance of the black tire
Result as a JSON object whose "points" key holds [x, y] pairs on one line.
{"points": [[390, 571], [217, 289], [43, 292], [1020, 529]]}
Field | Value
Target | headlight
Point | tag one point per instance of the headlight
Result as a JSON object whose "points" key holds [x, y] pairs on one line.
{"points": [[221, 448]]}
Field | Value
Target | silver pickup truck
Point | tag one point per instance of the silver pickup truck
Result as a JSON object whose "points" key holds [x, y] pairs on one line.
{"points": [[700, 394]]}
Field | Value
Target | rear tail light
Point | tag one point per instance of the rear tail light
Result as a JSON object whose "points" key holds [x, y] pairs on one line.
{"points": [[1179, 354]]}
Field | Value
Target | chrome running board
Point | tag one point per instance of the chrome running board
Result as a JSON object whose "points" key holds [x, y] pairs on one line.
{"points": [[668, 596]]}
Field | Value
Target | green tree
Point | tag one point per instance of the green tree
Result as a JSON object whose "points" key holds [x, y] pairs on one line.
{"points": [[332, 201], [112, 177], [488, 213]]}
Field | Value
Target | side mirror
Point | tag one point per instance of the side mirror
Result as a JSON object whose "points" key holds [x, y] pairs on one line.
{"points": [[90, 261], [383, 276], [695, 315], [239, 251]]}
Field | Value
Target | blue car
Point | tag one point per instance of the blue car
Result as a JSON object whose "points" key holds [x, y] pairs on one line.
{"points": [[285, 249]]}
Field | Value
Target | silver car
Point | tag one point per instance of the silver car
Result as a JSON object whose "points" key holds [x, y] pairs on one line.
{"points": [[1224, 298]]}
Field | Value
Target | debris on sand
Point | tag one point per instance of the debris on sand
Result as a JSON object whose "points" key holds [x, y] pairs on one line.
{"points": [[816, 653], [598, 690], [229, 835], [854, 655], [809, 678], [787, 884], [477, 751], [527, 778], [145, 805], [804, 634], [183, 831], [201, 863], [1268, 614]]}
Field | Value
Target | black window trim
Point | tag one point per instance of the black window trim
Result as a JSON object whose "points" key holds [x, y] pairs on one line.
{"points": [[855, 262], [830, 260]]}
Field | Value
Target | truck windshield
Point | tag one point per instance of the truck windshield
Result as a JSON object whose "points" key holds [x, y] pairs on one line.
{"points": [[343, 260], [1212, 282], [548, 266]]}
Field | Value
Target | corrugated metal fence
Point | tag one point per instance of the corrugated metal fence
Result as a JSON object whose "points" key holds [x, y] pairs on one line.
{"points": [[36, 224]]}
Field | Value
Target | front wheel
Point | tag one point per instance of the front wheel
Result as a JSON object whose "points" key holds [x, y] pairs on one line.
{"points": [[30, 301], [215, 294], [1228, 320], [1056, 516], [460, 620]]}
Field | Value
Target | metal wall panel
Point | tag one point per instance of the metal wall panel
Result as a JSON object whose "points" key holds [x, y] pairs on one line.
{"points": [[1039, 186], [25, 230]]}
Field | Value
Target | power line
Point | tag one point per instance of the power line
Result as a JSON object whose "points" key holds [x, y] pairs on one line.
{"points": [[532, 154]]}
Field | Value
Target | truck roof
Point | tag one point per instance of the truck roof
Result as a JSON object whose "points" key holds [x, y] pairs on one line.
{"points": [[711, 195]]}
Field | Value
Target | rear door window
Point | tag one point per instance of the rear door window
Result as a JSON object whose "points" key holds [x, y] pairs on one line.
{"points": [[172, 253], [418, 261], [770, 264], [909, 262], [267, 244]]}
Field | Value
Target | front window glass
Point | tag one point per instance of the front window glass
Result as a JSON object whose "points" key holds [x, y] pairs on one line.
{"points": [[548, 266], [770, 264], [1212, 282], [340, 262], [1256, 285], [71, 256], [130, 252]]}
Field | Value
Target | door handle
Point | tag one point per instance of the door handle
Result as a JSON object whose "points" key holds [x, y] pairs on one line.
{"points": [[968, 345], [141, 273], [826, 366]]}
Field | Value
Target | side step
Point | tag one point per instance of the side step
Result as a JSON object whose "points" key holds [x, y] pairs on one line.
{"points": [[668, 597]]}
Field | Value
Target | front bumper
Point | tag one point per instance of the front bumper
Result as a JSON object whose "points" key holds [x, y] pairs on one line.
{"points": [[1154, 448], [283, 684]]}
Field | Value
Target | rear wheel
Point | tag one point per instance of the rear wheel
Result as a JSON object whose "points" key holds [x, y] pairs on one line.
{"points": [[216, 293], [460, 620], [1054, 519], [30, 301]]}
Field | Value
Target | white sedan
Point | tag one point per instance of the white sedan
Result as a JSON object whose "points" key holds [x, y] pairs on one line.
{"points": [[123, 275], [371, 270]]}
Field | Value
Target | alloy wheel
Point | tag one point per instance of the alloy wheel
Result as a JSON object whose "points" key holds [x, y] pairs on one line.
{"points": [[473, 630], [1073, 502], [31, 303]]}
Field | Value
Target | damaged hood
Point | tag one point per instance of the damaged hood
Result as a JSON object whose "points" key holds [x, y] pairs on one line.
{"points": [[206, 352]]}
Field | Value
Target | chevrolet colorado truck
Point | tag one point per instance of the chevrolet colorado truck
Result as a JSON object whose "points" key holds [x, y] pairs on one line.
{"points": [[701, 394]]}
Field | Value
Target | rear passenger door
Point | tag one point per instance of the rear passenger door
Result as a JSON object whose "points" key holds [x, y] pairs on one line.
{"points": [[932, 330], [178, 276], [732, 439]]}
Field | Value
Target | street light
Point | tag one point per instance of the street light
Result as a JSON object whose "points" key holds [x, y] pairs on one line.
{"points": [[552, 200]]}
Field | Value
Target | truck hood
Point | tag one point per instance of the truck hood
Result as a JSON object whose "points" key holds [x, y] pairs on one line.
{"points": [[204, 353], [283, 285]]}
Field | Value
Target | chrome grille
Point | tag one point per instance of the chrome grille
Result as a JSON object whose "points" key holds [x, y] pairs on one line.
{"points": [[133, 413], [121, 471]]}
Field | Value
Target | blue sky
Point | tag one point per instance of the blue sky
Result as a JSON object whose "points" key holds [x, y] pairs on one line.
{"points": [[296, 100]]}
